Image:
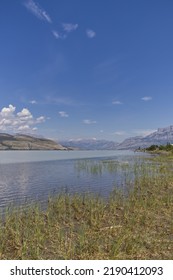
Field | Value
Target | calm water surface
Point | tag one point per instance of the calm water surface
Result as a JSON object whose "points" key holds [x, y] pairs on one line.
{"points": [[27, 176]]}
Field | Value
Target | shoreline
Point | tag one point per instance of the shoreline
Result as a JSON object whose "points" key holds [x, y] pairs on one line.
{"points": [[137, 226]]}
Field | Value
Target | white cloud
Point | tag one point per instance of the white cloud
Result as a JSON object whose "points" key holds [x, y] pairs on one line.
{"points": [[25, 115], [37, 11], [7, 111], [89, 121], [23, 120], [33, 102], [90, 33], [23, 127], [69, 27], [40, 119], [5, 122], [146, 98], [63, 114], [117, 102]]}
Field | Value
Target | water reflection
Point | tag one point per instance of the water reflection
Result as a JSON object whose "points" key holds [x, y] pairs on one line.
{"points": [[36, 181]]}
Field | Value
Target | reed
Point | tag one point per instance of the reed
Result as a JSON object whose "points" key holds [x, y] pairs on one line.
{"points": [[136, 224]]}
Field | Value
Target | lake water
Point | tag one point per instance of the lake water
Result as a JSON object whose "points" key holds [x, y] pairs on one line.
{"points": [[32, 176]]}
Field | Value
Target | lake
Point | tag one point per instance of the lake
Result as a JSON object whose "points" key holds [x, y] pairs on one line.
{"points": [[33, 176]]}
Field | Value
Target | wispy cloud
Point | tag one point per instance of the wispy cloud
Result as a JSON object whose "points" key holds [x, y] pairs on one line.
{"points": [[90, 33], [89, 121], [21, 121], [59, 100], [69, 27], [119, 133], [33, 102], [37, 11], [58, 35], [146, 98], [63, 114], [116, 102]]}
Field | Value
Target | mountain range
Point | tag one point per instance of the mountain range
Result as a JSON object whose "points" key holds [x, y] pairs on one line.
{"points": [[160, 137], [89, 144], [27, 142]]}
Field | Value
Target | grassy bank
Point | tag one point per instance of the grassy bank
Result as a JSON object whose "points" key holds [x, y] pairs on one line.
{"points": [[137, 226]]}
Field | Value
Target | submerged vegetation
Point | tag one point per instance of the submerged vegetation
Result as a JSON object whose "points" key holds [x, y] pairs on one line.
{"points": [[137, 224]]}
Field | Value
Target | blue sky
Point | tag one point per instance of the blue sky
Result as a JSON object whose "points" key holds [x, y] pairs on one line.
{"points": [[74, 69]]}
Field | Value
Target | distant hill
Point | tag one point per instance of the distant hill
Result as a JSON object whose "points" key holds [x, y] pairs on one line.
{"points": [[160, 137], [90, 144], [26, 142]]}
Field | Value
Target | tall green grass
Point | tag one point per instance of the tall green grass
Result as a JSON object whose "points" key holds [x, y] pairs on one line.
{"points": [[137, 224]]}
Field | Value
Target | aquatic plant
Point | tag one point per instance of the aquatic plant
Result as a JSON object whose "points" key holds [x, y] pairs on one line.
{"points": [[137, 224]]}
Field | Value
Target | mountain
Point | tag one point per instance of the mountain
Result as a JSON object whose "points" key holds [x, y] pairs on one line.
{"points": [[26, 142], [89, 144], [132, 143], [160, 137]]}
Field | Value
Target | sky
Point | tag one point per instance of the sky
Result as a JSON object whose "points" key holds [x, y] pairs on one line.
{"points": [[74, 69]]}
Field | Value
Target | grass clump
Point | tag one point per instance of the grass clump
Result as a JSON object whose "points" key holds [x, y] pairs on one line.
{"points": [[135, 225]]}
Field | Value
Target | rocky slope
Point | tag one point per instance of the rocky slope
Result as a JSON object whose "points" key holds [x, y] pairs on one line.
{"points": [[160, 137], [90, 144], [26, 142]]}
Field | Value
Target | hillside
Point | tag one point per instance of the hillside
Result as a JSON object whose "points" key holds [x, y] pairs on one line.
{"points": [[26, 142], [90, 144], [160, 137]]}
